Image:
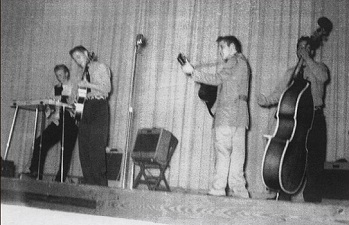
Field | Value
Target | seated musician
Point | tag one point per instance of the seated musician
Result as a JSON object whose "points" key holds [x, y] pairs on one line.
{"points": [[53, 133], [317, 74]]}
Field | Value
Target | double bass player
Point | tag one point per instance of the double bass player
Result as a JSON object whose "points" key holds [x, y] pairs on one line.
{"points": [[317, 74]]}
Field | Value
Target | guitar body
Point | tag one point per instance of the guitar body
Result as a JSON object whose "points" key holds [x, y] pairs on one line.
{"points": [[79, 105], [285, 156], [208, 93]]}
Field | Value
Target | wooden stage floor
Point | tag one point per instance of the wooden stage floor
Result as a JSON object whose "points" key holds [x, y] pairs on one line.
{"points": [[161, 207]]}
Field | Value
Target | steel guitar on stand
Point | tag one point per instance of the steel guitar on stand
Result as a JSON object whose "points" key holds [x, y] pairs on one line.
{"points": [[37, 106]]}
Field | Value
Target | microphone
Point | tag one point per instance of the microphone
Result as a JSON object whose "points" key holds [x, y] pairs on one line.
{"points": [[140, 40]]}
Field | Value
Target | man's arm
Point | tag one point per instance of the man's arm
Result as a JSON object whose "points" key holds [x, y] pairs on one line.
{"points": [[243, 86], [102, 80], [202, 77], [273, 98]]}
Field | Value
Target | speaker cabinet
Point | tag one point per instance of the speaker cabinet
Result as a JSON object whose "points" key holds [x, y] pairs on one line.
{"points": [[113, 165], [7, 168], [154, 145], [336, 180]]}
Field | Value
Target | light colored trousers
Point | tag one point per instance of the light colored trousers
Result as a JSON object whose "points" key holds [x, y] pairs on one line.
{"points": [[230, 147]]}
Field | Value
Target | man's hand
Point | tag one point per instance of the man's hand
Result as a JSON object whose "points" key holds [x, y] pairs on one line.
{"points": [[71, 112], [187, 68], [48, 111], [54, 118], [84, 84], [262, 100], [303, 53]]}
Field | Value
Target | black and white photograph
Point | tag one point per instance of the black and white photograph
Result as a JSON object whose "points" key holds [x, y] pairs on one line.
{"points": [[175, 112]]}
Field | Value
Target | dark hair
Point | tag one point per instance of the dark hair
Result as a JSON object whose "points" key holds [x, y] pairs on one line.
{"points": [[229, 40], [62, 67], [309, 42], [82, 49], [303, 38]]}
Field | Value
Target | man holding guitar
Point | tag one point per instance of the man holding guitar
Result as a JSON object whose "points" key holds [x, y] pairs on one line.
{"points": [[231, 119], [95, 84]]}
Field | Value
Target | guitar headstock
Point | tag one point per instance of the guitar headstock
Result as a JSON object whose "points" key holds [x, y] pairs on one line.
{"points": [[181, 59], [321, 33]]}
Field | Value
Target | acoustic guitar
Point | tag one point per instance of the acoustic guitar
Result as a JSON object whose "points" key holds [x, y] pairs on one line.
{"points": [[81, 98], [207, 93]]}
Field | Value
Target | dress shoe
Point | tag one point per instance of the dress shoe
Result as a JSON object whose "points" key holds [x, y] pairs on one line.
{"points": [[215, 192], [32, 175], [312, 199], [282, 197], [241, 194]]}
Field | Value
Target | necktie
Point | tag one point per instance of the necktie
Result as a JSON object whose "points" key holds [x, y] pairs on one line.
{"points": [[87, 75]]}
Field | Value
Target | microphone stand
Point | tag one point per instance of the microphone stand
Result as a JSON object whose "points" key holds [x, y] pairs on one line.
{"points": [[126, 173], [62, 145]]}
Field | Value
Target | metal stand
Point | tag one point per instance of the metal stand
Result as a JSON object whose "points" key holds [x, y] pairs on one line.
{"points": [[37, 105], [62, 144], [11, 132], [277, 196], [30, 107], [34, 135], [125, 173], [8, 167]]}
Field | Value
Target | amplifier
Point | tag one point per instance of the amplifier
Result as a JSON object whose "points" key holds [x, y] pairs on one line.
{"points": [[154, 145], [113, 165], [7, 168], [336, 180]]}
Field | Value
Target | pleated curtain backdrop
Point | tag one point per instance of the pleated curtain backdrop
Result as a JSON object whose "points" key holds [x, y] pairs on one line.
{"points": [[37, 35]]}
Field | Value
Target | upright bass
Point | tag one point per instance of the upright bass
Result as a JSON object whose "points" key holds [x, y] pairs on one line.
{"points": [[285, 156]]}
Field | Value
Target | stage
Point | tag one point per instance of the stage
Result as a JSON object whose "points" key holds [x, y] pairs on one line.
{"points": [[147, 207]]}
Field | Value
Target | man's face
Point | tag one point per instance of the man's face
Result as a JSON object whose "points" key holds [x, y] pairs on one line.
{"points": [[61, 75], [303, 45], [80, 58], [226, 51]]}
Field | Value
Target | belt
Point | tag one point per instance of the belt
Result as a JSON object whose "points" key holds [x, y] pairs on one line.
{"points": [[98, 97]]}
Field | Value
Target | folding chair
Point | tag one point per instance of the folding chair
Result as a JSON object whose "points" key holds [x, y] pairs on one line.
{"points": [[159, 160]]}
